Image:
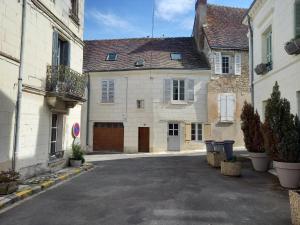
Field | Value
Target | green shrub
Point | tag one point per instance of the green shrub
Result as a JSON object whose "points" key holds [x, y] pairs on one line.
{"points": [[281, 130], [77, 153], [251, 127]]}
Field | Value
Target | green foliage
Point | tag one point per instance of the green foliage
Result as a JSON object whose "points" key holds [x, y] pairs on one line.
{"points": [[281, 129], [9, 176], [77, 153], [251, 127]]}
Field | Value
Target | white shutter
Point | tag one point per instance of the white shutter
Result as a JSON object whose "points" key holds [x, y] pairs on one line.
{"points": [[167, 90], [223, 107], [190, 90], [104, 88], [111, 91], [238, 63], [218, 63], [230, 107]]}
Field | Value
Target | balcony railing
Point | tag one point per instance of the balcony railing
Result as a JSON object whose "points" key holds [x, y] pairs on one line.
{"points": [[64, 81]]}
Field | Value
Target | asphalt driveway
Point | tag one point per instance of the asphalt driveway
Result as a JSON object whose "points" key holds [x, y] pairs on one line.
{"points": [[157, 191]]}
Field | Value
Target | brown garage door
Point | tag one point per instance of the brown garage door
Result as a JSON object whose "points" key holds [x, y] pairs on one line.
{"points": [[108, 137]]}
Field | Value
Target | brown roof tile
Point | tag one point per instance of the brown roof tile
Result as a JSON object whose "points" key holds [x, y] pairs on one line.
{"points": [[224, 27], [130, 50]]}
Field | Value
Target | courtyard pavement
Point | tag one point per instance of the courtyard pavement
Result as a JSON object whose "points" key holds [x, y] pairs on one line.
{"points": [[157, 190]]}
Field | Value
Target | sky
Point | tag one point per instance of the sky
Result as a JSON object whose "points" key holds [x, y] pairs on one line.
{"points": [[113, 19]]}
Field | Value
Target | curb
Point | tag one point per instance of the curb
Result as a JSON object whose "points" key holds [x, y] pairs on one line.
{"points": [[33, 189]]}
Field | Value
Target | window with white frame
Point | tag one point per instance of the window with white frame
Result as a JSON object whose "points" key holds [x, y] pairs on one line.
{"points": [[228, 63], [108, 91], [140, 104], [267, 47], [178, 87], [227, 107], [196, 132]]}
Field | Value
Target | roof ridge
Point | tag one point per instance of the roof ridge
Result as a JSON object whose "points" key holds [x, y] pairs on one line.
{"points": [[225, 6], [142, 38]]}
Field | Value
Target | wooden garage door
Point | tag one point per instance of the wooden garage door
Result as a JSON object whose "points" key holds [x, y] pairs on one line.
{"points": [[108, 137]]}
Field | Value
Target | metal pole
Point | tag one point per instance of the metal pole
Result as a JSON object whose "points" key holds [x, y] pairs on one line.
{"points": [[20, 85]]}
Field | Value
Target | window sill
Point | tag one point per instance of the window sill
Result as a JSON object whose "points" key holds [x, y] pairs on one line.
{"points": [[107, 103], [179, 102], [226, 121]]}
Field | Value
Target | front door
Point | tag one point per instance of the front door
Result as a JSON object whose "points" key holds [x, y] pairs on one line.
{"points": [[173, 137], [144, 139]]}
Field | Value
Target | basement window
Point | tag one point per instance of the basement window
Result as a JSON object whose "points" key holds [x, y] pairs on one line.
{"points": [[112, 56], [140, 104], [176, 56]]}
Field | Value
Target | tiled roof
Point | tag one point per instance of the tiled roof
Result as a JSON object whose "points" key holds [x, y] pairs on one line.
{"points": [[225, 29], [131, 50]]}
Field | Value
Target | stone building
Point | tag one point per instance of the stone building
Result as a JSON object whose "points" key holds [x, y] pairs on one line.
{"points": [[221, 36], [276, 27], [51, 84], [145, 95]]}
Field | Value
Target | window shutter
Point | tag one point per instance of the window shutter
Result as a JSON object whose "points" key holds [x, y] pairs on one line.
{"points": [[55, 48], [190, 90], [230, 107], [188, 132], [297, 18], [218, 63], [104, 91], [223, 107], [238, 63], [167, 90], [111, 91], [66, 53]]}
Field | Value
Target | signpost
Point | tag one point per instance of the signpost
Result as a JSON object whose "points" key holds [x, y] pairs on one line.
{"points": [[75, 131]]}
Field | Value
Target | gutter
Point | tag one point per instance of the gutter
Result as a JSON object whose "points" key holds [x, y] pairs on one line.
{"points": [[19, 94], [251, 60]]}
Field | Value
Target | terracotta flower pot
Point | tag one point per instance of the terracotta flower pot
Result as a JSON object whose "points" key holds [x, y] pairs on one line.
{"points": [[231, 168], [260, 161], [288, 174], [295, 206]]}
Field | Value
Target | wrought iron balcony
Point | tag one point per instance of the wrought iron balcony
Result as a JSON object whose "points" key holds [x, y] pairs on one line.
{"points": [[65, 82]]}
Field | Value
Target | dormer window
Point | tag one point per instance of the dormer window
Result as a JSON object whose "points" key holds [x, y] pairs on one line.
{"points": [[140, 63], [176, 56], [111, 56]]}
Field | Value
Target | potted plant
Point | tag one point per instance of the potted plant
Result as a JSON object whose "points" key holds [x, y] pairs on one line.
{"points": [[231, 167], [292, 47], [8, 182], [295, 206], [254, 142], [77, 158], [281, 133], [261, 69]]}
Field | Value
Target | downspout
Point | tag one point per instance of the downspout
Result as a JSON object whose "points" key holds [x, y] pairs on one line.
{"points": [[251, 60], [88, 111], [19, 94]]}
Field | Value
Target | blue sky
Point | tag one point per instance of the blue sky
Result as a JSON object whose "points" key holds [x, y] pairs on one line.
{"points": [[110, 19]]}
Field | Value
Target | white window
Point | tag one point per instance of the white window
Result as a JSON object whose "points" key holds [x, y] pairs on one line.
{"points": [[237, 63], [227, 106], [267, 49], [140, 104], [178, 88], [196, 132], [108, 91], [176, 56], [112, 56], [227, 63]]}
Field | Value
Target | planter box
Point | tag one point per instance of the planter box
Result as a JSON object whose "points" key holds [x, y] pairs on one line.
{"points": [[8, 188], [295, 206], [231, 168], [75, 163], [293, 47], [215, 158], [261, 69]]}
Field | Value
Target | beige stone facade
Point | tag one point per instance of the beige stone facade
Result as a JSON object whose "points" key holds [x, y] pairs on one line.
{"points": [[43, 17]]}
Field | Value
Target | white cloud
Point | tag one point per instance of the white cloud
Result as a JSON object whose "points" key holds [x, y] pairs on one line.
{"points": [[170, 9], [110, 20], [188, 23]]}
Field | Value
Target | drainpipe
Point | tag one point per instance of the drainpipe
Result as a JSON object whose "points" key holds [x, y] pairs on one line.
{"points": [[20, 85], [88, 111], [251, 60]]}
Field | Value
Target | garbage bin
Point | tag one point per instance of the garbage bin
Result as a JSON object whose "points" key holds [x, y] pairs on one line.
{"points": [[219, 146], [228, 147], [209, 145]]}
